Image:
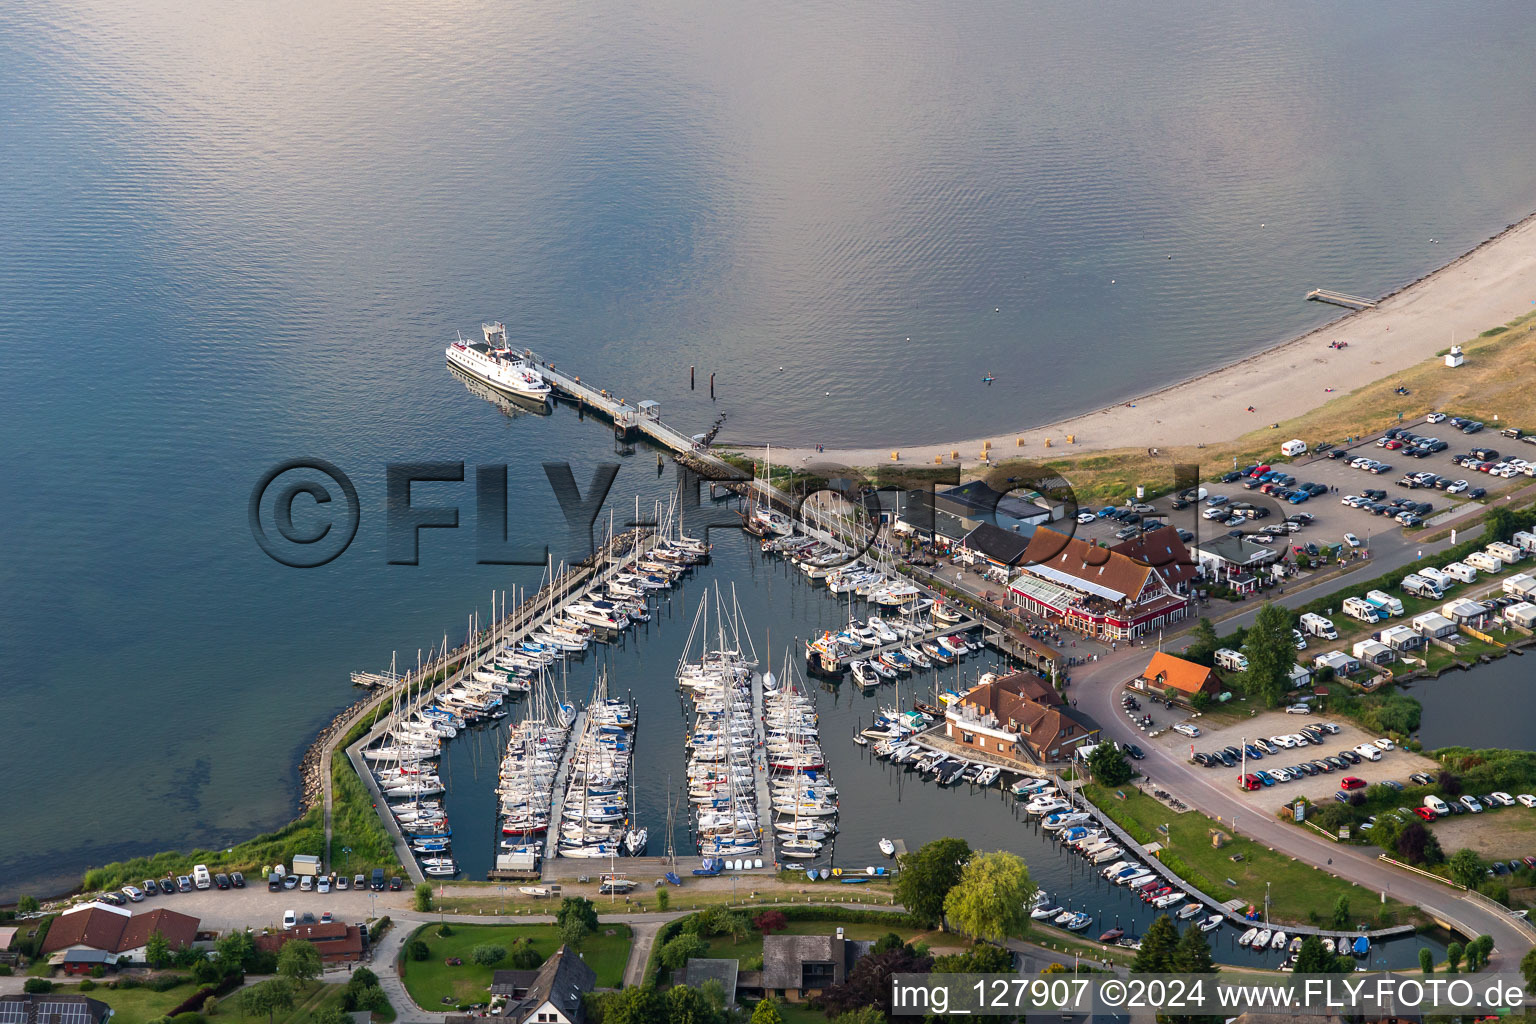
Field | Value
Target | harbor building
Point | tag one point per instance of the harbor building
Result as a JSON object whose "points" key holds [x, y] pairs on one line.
{"points": [[1000, 717], [1164, 671], [1098, 592]]}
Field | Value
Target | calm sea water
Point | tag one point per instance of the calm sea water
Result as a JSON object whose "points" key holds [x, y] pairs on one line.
{"points": [[234, 234]]}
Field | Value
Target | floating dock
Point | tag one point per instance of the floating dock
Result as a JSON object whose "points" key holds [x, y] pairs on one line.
{"points": [[1339, 299]]}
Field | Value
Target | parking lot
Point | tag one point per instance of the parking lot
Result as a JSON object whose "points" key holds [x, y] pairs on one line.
{"points": [[1395, 764], [1335, 479], [255, 905]]}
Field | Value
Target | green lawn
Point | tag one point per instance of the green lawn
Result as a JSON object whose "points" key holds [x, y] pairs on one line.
{"points": [[429, 981], [1297, 890], [721, 947], [135, 1005]]}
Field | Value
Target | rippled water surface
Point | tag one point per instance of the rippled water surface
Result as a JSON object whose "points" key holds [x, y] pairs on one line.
{"points": [[232, 234]]}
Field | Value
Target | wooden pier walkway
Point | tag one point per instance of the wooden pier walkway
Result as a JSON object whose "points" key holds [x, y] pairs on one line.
{"points": [[562, 779], [1339, 299], [760, 775], [631, 418]]}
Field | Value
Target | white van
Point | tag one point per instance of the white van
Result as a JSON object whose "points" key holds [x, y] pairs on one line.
{"points": [[1416, 585], [1360, 608], [1437, 805], [1317, 625], [1294, 447], [1369, 752], [1440, 579], [1461, 571], [1385, 603], [200, 876], [1232, 661], [1484, 561]]}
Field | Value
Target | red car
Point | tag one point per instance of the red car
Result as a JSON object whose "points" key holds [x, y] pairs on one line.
{"points": [[1425, 813], [1350, 782], [1259, 471], [1250, 782]]}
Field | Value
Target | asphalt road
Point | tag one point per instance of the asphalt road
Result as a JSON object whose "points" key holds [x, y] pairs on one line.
{"points": [[1097, 687]]}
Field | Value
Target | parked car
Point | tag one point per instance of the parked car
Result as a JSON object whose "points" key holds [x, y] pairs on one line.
{"points": [[1352, 782]]}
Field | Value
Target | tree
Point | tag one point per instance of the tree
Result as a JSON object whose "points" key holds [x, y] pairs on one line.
{"points": [[40, 986], [1109, 766], [27, 905], [236, 950], [636, 1005], [663, 899], [523, 956], [1417, 845], [869, 983], [1193, 953], [928, 874], [574, 932], [330, 1015], [1466, 868], [423, 900], [1453, 955], [487, 954], [770, 921], [577, 908], [680, 950], [418, 950], [1449, 783], [863, 1015], [989, 900], [767, 1011], [1157, 947], [1426, 961], [687, 1005], [157, 952], [1203, 643], [1341, 914], [1271, 651], [1477, 952], [1312, 958], [981, 958], [1498, 524], [269, 997], [890, 940], [299, 960], [1528, 968]]}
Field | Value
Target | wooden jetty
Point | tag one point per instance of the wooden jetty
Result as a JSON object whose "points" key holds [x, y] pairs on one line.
{"points": [[1339, 299], [632, 419]]}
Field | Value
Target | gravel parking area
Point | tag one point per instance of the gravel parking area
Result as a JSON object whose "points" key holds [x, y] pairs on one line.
{"points": [[258, 908], [1395, 764]]}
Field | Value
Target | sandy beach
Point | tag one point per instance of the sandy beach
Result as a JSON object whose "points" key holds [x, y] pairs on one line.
{"points": [[1488, 286]]}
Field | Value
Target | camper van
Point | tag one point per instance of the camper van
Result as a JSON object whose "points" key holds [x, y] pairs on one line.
{"points": [[1360, 608], [1441, 579], [1524, 540], [1294, 448], [1232, 661], [201, 877], [1385, 603], [1461, 571], [1484, 561], [1318, 626], [1416, 585]]}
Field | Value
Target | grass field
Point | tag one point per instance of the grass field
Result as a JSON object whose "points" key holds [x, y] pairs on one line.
{"points": [[137, 1005], [429, 981], [1299, 893], [721, 946]]}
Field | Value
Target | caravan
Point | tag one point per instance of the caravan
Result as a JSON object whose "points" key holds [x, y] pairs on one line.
{"points": [[1440, 579], [1485, 561], [1360, 608], [1232, 661], [1415, 585], [1293, 448], [1385, 603], [1316, 625], [1462, 572]]}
